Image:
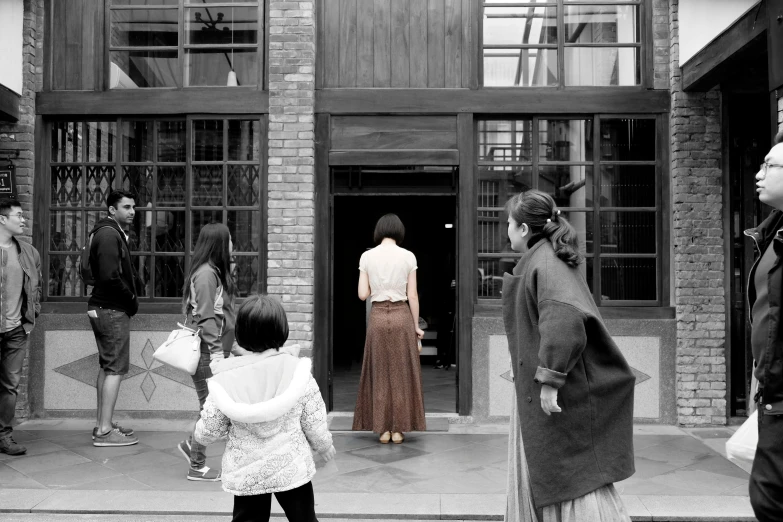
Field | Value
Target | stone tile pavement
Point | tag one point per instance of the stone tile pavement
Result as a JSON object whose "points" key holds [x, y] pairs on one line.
{"points": [[431, 475]]}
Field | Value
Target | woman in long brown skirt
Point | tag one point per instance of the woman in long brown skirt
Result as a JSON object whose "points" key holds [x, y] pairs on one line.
{"points": [[390, 400]]}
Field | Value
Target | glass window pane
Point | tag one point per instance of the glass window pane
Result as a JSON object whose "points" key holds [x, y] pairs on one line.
{"points": [[499, 184], [602, 24], [143, 266], [210, 67], [169, 276], [245, 228], [221, 25], [245, 271], [565, 140], [67, 231], [520, 25], [100, 180], [629, 279], [189, 2], [140, 234], [244, 185], [628, 185], [171, 187], [583, 224], [207, 185], [628, 233], [171, 141], [169, 231], [99, 141], [520, 67], [208, 140], [140, 68], [490, 275], [243, 140], [66, 142], [138, 180], [144, 28], [137, 144], [570, 185], [66, 183], [602, 66], [627, 140], [64, 278], [501, 140], [199, 218], [148, 2], [493, 232]]}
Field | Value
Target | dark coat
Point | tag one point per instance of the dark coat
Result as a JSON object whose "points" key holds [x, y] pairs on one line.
{"points": [[556, 336], [769, 367], [110, 262]]}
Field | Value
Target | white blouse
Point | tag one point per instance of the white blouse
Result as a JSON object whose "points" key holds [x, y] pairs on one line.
{"points": [[388, 267]]}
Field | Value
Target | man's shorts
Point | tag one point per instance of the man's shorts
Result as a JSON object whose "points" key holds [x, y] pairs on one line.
{"points": [[112, 334]]}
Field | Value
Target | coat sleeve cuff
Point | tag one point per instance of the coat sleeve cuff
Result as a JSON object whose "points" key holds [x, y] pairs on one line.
{"points": [[550, 377]]}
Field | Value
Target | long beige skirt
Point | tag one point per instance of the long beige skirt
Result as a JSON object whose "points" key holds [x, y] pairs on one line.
{"points": [[602, 505]]}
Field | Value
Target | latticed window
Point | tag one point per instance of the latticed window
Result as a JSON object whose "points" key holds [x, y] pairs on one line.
{"points": [[184, 173], [604, 176], [539, 43]]}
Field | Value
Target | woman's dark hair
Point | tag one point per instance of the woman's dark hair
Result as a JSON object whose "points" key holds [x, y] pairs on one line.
{"points": [[537, 210], [261, 324], [211, 247], [389, 226]]}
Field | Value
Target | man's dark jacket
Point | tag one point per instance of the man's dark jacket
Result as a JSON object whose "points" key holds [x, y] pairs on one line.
{"points": [[556, 337], [110, 262], [30, 261], [769, 369]]}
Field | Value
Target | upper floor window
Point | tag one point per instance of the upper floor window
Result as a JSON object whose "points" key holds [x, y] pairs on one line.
{"points": [[180, 43], [543, 43]]}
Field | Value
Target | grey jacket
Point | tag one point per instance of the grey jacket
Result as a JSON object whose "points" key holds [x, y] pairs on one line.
{"points": [[31, 286], [211, 309]]}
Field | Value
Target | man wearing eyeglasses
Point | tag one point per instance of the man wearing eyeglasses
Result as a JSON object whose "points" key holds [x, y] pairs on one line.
{"points": [[765, 291], [20, 304]]}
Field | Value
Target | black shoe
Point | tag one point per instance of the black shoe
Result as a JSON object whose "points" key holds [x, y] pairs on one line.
{"points": [[8, 445], [439, 365]]}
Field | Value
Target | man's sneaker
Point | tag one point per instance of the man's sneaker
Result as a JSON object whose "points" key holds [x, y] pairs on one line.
{"points": [[124, 431], [8, 445], [114, 438], [204, 474], [184, 448]]}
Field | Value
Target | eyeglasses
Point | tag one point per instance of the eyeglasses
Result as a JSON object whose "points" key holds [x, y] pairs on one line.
{"points": [[766, 166], [17, 215]]}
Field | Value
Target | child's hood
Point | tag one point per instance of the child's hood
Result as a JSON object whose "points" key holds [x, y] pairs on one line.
{"points": [[260, 387]]}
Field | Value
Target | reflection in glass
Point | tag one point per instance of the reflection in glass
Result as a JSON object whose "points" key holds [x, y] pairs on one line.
{"points": [[565, 140], [210, 67], [498, 184], [64, 278], [244, 185], [99, 138], [245, 271], [243, 140], [65, 233], [493, 232], [144, 28], [66, 182], [490, 275], [520, 67], [207, 185], [503, 140], [66, 142], [627, 185], [140, 68], [628, 140], [150, 2], [143, 266], [245, 228], [137, 144], [171, 141], [591, 24], [169, 276], [169, 231], [569, 185], [171, 187], [100, 179], [221, 25], [199, 218], [628, 279], [520, 25], [208, 140], [138, 180], [140, 232], [628, 233], [602, 66]]}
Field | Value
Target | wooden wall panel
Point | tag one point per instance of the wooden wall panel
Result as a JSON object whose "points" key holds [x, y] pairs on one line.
{"points": [[77, 45], [394, 132], [395, 43]]}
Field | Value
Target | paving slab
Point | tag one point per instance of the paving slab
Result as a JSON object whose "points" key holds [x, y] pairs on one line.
{"points": [[375, 505], [22, 500], [480, 507], [147, 502], [699, 508]]}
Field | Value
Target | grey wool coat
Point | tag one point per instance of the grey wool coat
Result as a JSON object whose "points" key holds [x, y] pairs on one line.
{"points": [[556, 336]]}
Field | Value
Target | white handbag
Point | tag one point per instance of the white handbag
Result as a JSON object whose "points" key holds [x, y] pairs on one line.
{"points": [[181, 350], [741, 447]]}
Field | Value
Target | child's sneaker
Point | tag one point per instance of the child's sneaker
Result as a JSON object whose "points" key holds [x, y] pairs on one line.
{"points": [[204, 474], [114, 438]]}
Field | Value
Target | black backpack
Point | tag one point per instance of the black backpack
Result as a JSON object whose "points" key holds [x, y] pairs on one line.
{"points": [[85, 271]]}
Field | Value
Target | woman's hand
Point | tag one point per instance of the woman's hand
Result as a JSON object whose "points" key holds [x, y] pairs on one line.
{"points": [[329, 454], [419, 333], [549, 400]]}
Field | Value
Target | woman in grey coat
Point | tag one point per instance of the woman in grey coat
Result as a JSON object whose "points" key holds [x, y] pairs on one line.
{"points": [[574, 389]]}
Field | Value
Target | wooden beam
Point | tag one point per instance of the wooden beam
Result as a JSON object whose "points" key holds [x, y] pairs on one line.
{"points": [[394, 157], [704, 70], [491, 101], [219, 100], [9, 104], [322, 298], [466, 261], [775, 43]]}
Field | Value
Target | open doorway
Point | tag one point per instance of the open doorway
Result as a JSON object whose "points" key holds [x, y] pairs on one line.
{"points": [[430, 233]]}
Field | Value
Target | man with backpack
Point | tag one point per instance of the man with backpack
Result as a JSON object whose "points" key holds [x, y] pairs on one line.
{"points": [[20, 304], [112, 303]]}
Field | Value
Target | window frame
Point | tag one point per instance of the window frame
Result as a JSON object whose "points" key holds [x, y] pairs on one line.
{"points": [[261, 44], [662, 242], [44, 210], [645, 58]]}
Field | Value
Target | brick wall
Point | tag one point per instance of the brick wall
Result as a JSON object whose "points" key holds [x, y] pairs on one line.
{"points": [[21, 136], [291, 160], [697, 230], [661, 44]]}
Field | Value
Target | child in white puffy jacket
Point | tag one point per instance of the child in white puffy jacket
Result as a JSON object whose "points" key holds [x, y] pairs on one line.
{"points": [[270, 408]]}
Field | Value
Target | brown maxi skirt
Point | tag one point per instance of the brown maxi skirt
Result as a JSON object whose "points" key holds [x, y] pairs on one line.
{"points": [[390, 397]]}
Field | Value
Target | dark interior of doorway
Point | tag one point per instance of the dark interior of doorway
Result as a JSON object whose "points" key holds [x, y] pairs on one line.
{"points": [[427, 236]]}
